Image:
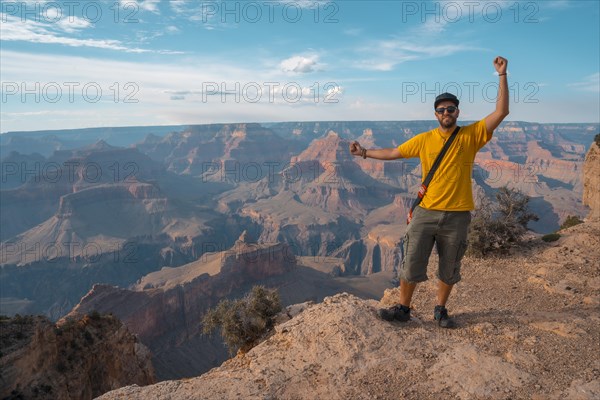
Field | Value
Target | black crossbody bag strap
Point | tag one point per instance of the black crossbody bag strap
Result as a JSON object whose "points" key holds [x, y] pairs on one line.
{"points": [[429, 176]]}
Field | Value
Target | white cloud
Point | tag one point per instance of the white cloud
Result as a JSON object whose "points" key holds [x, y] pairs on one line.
{"points": [[168, 93], [375, 65], [353, 31], [73, 24], [590, 83], [431, 27], [299, 64], [15, 29], [558, 4], [179, 6], [146, 5], [385, 55]]}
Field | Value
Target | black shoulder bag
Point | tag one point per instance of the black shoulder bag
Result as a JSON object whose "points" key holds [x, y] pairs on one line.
{"points": [[429, 176]]}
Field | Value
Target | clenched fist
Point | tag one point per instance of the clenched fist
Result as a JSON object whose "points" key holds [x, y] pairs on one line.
{"points": [[500, 63], [355, 148]]}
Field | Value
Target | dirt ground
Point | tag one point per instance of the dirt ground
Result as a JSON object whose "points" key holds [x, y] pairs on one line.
{"points": [[528, 328]]}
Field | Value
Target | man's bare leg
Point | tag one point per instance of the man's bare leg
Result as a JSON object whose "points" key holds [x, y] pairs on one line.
{"points": [[440, 313], [443, 293], [406, 292]]}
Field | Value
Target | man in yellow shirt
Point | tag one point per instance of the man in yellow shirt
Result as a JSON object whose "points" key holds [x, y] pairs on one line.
{"points": [[443, 216]]}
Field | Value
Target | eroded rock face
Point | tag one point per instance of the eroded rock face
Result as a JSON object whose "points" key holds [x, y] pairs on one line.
{"points": [[591, 181], [166, 307], [80, 359], [369, 255]]}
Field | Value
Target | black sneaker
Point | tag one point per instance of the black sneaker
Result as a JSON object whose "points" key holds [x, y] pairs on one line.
{"points": [[395, 313], [440, 314]]}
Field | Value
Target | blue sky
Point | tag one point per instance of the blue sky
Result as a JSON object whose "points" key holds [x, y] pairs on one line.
{"points": [[73, 64]]}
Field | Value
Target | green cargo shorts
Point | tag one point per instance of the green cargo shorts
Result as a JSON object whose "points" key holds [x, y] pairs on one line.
{"points": [[448, 230]]}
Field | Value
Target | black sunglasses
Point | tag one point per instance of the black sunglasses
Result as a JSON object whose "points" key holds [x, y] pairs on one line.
{"points": [[441, 110]]}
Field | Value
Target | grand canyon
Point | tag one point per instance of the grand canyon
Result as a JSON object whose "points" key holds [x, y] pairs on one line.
{"points": [[147, 228]]}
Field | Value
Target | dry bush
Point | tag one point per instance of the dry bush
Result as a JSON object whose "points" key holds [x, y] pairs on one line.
{"points": [[498, 226], [242, 322]]}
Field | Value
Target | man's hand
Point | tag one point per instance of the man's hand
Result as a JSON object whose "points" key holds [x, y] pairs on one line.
{"points": [[500, 63], [355, 148]]}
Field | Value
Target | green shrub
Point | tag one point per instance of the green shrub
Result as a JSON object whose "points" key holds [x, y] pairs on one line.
{"points": [[242, 322], [496, 227], [597, 139], [551, 237], [570, 221]]}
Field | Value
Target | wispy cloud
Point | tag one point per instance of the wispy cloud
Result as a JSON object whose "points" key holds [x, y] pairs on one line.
{"points": [[558, 4], [590, 83], [207, 14], [16, 29], [385, 55], [197, 90], [353, 31], [145, 5], [431, 27], [73, 24]]}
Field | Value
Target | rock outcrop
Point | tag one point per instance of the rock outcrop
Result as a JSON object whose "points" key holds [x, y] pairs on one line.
{"points": [[591, 180], [80, 359], [514, 316], [165, 308]]}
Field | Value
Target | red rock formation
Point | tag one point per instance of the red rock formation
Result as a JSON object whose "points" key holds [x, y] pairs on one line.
{"points": [[165, 308]]}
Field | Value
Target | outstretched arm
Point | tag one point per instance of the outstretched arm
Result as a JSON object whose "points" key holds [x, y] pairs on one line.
{"points": [[493, 120], [379, 154]]}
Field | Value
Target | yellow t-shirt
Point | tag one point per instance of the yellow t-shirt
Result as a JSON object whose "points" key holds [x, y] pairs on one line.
{"points": [[450, 188]]}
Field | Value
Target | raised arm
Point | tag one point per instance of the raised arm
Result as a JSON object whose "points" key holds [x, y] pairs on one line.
{"points": [[379, 154], [493, 120]]}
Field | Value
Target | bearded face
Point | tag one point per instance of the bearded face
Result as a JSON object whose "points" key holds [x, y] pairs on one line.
{"points": [[447, 119]]}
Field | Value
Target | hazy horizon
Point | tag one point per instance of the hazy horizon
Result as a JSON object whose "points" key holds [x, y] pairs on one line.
{"points": [[278, 122]]}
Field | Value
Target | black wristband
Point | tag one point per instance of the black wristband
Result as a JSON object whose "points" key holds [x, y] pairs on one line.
{"points": [[502, 74], [363, 153]]}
